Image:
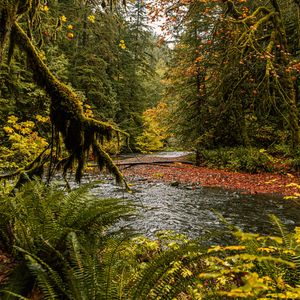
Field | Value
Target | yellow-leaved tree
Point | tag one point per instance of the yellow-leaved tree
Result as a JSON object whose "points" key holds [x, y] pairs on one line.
{"points": [[155, 133]]}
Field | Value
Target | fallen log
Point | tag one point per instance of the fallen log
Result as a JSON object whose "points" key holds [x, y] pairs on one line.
{"points": [[158, 162]]}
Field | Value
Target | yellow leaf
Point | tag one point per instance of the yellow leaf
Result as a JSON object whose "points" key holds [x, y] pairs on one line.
{"points": [[215, 249], [234, 248], [12, 119], [293, 184], [8, 129], [186, 273], [91, 18], [44, 8], [265, 249], [63, 18], [271, 181], [70, 35], [42, 119], [290, 197]]}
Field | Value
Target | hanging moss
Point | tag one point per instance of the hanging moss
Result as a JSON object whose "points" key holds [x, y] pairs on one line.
{"points": [[80, 134]]}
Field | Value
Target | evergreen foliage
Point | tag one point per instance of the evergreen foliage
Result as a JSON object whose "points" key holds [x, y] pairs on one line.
{"points": [[233, 81], [80, 134], [68, 251]]}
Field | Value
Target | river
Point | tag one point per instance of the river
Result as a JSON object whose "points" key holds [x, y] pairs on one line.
{"points": [[194, 212]]}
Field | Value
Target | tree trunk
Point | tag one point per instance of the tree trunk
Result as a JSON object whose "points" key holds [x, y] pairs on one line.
{"points": [[7, 19], [289, 84]]}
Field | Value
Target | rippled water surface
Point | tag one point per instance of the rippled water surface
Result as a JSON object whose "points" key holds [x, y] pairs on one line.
{"points": [[193, 211]]}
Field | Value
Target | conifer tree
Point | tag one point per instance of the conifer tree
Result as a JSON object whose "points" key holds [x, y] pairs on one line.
{"points": [[133, 69]]}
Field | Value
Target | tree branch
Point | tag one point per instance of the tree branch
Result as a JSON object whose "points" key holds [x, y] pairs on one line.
{"points": [[80, 134]]}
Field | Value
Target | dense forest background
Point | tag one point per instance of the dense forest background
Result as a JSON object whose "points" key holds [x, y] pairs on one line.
{"points": [[110, 59], [223, 80]]}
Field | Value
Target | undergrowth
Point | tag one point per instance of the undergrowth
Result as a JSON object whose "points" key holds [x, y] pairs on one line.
{"points": [[63, 248], [56, 237], [251, 160], [277, 158]]}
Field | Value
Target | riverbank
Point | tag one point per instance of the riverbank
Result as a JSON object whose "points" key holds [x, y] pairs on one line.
{"points": [[182, 173]]}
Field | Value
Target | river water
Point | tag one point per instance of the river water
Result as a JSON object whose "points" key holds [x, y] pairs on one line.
{"points": [[195, 211]]}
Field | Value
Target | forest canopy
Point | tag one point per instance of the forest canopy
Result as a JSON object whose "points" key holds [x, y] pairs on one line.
{"points": [[88, 90]]}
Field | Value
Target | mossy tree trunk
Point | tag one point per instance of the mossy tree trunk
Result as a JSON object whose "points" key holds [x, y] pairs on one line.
{"points": [[7, 19], [252, 28], [10, 11], [80, 133], [288, 82]]}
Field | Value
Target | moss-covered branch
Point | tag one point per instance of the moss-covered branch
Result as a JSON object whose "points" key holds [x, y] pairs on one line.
{"points": [[252, 18], [80, 134], [247, 43], [33, 169]]}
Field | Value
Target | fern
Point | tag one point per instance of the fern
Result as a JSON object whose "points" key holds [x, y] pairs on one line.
{"points": [[42, 279], [160, 275], [35, 264], [58, 236], [114, 268], [282, 230], [20, 297]]}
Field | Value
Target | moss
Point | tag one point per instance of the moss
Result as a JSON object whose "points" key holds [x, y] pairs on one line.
{"points": [[284, 86], [30, 171], [80, 134]]}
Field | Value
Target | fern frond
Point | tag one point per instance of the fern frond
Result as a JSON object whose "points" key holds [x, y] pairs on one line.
{"points": [[51, 273], [84, 272], [75, 254], [60, 238], [41, 275], [112, 264], [157, 277], [20, 297], [296, 260], [282, 230]]}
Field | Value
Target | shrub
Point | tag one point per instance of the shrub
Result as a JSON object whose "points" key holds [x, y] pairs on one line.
{"points": [[250, 160], [24, 142], [254, 267], [154, 134]]}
